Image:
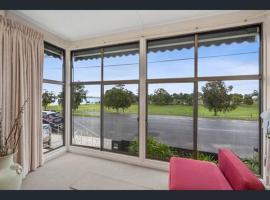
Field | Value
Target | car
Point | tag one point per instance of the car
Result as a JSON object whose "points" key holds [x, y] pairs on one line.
{"points": [[46, 135], [54, 119]]}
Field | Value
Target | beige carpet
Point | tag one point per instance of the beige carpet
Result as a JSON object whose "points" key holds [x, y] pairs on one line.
{"points": [[93, 181], [72, 171]]}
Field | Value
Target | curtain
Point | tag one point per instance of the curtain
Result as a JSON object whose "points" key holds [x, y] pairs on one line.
{"points": [[21, 71]]}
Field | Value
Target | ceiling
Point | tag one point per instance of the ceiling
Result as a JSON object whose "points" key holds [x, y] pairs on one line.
{"points": [[74, 25]]}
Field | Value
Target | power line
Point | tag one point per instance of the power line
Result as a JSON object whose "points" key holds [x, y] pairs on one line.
{"points": [[171, 60]]}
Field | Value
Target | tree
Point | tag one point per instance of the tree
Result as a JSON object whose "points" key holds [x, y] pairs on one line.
{"points": [[78, 95], [237, 98], [188, 99], [248, 99], [216, 97], [118, 98], [255, 93], [161, 97], [47, 98]]}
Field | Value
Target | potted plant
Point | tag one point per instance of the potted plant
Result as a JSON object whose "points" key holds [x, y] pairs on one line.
{"points": [[10, 172]]}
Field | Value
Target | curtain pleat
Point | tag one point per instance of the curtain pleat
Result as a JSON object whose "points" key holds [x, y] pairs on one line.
{"points": [[21, 72]]}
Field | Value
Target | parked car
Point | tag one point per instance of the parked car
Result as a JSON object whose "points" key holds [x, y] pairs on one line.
{"points": [[46, 135], [54, 119]]}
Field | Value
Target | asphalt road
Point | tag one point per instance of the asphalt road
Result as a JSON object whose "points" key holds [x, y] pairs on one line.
{"points": [[239, 135]]}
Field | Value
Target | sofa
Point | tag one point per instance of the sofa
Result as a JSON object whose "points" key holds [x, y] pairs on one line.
{"points": [[229, 174]]}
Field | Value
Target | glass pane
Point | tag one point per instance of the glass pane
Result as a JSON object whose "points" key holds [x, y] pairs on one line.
{"points": [[229, 118], [87, 69], [86, 115], [229, 53], [121, 118], [53, 67], [121, 62], [52, 116], [170, 58], [170, 120]]}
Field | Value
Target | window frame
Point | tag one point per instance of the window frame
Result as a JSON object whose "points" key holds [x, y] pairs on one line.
{"points": [[143, 82], [102, 83], [196, 79], [63, 84]]}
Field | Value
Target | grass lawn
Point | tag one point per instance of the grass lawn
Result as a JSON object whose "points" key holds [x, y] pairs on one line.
{"points": [[242, 112]]}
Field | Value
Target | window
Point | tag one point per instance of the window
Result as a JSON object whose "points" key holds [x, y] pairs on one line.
{"points": [[85, 69], [121, 62], [204, 94], [170, 122], [228, 53], [229, 100], [53, 98], [105, 98], [121, 118], [171, 58], [86, 115], [170, 97]]}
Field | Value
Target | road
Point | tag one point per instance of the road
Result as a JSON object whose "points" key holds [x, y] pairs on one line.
{"points": [[239, 135]]}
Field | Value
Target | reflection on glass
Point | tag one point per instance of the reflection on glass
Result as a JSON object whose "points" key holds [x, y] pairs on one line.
{"points": [[121, 118], [170, 120], [86, 115], [228, 118], [52, 116]]}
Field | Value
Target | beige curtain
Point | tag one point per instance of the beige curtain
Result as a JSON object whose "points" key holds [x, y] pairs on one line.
{"points": [[21, 64]]}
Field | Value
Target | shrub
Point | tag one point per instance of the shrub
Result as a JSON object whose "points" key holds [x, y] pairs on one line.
{"points": [[206, 157], [155, 148], [253, 163]]}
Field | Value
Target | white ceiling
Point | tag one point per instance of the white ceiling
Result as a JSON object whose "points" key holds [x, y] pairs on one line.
{"points": [[81, 24]]}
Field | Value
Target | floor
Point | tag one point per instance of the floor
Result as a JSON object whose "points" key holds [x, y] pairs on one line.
{"points": [[78, 172]]}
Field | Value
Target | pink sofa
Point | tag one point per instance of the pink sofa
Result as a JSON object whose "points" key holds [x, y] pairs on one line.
{"points": [[230, 174]]}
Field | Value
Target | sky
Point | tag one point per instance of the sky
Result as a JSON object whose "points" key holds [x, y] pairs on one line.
{"points": [[222, 60]]}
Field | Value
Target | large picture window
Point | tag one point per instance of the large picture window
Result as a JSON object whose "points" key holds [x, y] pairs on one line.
{"points": [[53, 98], [204, 94], [105, 98]]}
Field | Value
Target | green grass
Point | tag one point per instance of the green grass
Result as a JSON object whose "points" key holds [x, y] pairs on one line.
{"points": [[242, 112]]}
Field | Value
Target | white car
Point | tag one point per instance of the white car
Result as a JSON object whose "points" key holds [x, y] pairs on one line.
{"points": [[46, 135]]}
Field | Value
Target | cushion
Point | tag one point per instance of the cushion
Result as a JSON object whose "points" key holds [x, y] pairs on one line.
{"points": [[236, 172], [189, 174]]}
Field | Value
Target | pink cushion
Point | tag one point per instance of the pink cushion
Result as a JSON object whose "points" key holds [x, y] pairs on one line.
{"points": [[189, 174], [236, 172]]}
